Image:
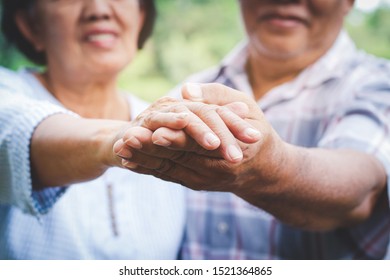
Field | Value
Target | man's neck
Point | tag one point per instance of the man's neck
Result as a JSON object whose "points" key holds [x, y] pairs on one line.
{"points": [[266, 73]]}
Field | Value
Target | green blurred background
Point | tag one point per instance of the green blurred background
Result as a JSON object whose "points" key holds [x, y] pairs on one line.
{"points": [[191, 35]]}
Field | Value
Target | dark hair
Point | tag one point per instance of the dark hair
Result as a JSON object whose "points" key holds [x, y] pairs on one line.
{"points": [[13, 35]]}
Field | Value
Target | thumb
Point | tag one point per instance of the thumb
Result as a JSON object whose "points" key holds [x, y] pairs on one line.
{"points": [[212, 93]]}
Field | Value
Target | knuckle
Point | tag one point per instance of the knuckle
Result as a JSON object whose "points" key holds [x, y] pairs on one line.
{"points": [[162, 104], [224, 111], [165, 102], [165, 99], [148, 120], [165, 167], [202, 107], [195, 126], [180, 108], [139, 120], [238, 123], [181, 157], [193, 146]]}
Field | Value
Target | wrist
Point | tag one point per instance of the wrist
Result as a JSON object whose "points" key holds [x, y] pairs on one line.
{"points": [[104, 140], [286, 167]]}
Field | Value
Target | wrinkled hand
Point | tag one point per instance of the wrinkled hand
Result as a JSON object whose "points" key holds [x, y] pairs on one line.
{"points": [[210, 126], [180, 159]]}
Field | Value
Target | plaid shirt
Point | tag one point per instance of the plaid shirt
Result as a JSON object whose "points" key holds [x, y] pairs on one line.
{"points": [[341, 101]]}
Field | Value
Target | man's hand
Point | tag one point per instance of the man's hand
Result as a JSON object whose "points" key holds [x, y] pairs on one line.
{"points": [[316, 189], [174, 155], [211, 126]]}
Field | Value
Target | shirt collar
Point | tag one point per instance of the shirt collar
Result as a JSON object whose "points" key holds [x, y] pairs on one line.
{"points": [[331, 65]]}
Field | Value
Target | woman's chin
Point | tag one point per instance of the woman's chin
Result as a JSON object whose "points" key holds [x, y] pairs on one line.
{"points": [[108, 67]]}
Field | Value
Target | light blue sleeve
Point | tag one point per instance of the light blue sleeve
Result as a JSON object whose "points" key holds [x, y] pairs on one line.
{"points": [[19, 116]]}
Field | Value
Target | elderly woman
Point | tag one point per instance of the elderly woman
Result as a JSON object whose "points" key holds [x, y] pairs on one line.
{"points": [[322, 165], [112, 213], [83, 46]]}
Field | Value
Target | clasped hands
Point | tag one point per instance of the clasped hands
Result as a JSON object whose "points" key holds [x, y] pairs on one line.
{"points": [[215, 139]]}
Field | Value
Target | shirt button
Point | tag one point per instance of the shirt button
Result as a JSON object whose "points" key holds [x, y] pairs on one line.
{"points": [[222, 227]]}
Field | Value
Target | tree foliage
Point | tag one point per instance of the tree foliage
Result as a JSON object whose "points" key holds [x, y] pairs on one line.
{"points": [[192, 35]]}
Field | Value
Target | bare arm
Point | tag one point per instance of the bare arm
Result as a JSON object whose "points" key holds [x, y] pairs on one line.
{"points": [[321, 189], [65, 149], [315, 189]]}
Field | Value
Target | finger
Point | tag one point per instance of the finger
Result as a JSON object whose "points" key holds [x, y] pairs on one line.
{"points": [[163, 143], [180, 141], [229, 146], [238, 108], [162, 176], [187, 176], [154, 143], [154, 119], [121, 150], [137, 136], [139, 139], [162, 103], [200, 131], [231, 151], [139, 159], [154, 157], [172, 173], [218, 94], [158, 114], [241, 129]]}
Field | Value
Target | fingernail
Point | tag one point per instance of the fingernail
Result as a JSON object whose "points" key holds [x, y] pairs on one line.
{"points": [[129, 164], [120, 151], [118, 146], [162, 142], [252, 133], [212, 140], [234, 153], [134, 142], [194, 91], [124, 153]]}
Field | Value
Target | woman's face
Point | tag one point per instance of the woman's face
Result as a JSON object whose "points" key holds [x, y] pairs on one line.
{"points": [[89, 36], [287, 28]]}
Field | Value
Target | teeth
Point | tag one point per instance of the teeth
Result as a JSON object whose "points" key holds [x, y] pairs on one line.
{"points": [[100, 37]]}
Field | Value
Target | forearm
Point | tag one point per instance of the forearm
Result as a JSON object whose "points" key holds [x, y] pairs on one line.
{"points": [[65, 150], [323, 189]]}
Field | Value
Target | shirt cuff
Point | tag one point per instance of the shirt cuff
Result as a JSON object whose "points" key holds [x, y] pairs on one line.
{"points": [[21, 193]]}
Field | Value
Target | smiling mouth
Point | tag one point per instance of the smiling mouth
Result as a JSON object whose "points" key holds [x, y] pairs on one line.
{"points": [[101, 40], [100, 37], [283, 21]]}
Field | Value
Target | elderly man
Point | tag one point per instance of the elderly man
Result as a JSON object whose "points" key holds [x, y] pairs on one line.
{"points": [[319, 174]]}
